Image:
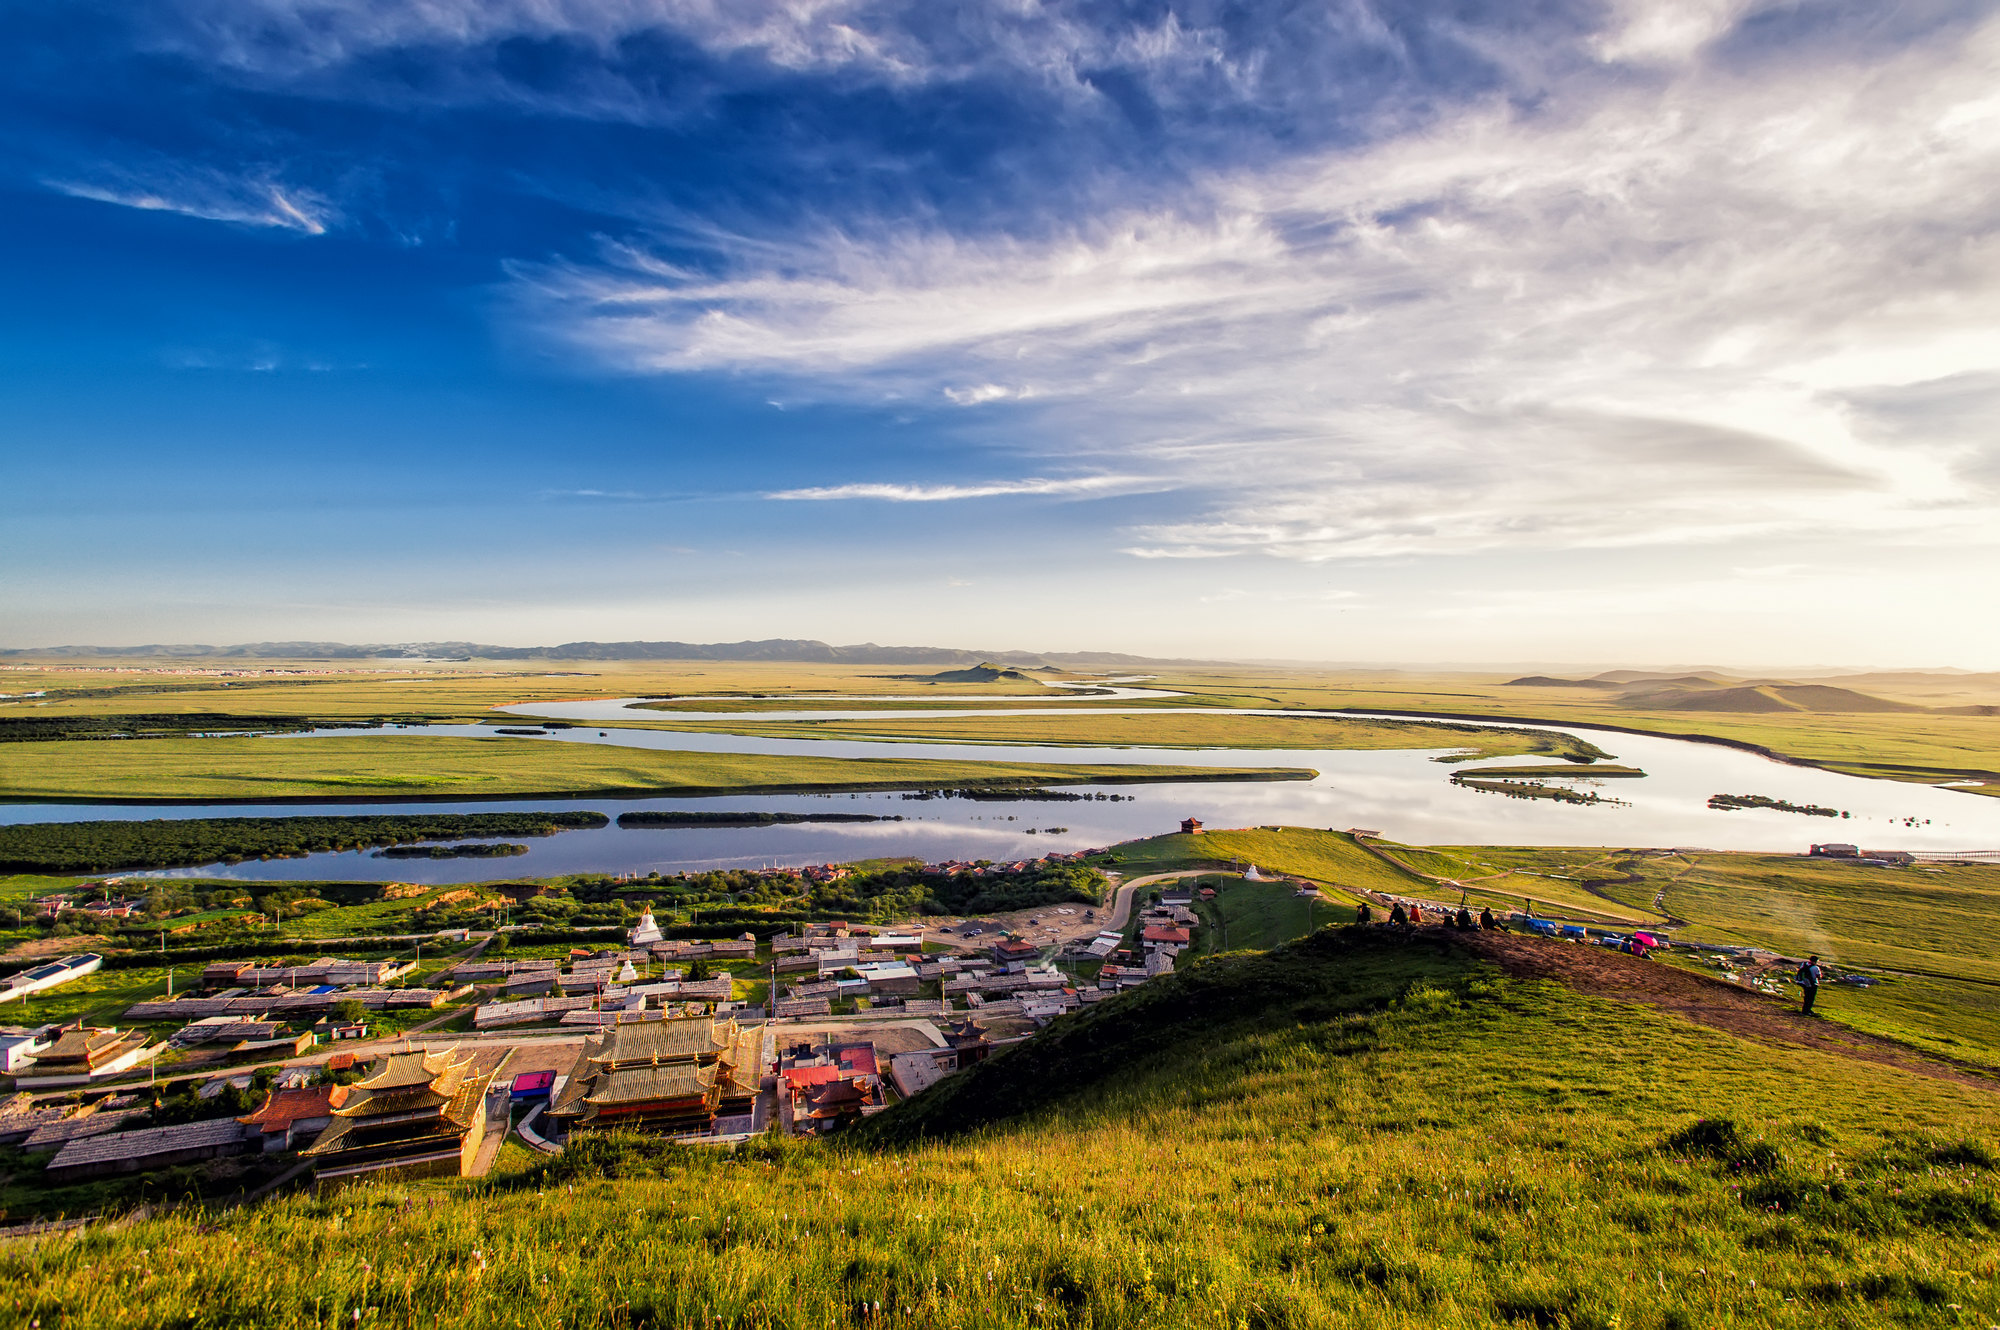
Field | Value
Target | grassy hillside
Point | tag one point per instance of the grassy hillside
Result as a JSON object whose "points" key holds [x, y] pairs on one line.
{"points": [[1346, 1132], [1329, 857], [1926, 932], [391, 766]]}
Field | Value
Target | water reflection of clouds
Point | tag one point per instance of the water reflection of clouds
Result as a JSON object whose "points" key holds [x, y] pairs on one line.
{"points": [[1402, 792]]}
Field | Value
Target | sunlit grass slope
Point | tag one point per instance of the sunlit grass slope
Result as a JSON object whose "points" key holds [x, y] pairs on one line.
{"points": [[1924, 931], [396, 765], [1344, 1132]]}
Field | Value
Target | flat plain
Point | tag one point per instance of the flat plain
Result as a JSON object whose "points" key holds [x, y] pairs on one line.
{"points": [[400, 766]]}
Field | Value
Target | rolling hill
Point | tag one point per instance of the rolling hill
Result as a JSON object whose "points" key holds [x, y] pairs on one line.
{"points": [[1359, 1129], [1701, 694]]}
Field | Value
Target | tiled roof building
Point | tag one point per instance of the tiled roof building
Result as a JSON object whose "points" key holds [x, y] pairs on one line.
{"points": [[416, 1114], [671, 1076], [90, 1053]]}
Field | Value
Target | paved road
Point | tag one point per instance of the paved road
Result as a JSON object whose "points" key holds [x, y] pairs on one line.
{"points": [[1121, 910]]}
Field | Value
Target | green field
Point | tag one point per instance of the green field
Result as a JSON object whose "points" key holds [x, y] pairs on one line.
{"points": [[1331, 858], [398, 766], [1926, 931], [1349, 1132], [1171, 731], [444, 692], [1256, 916], [1921, 745]]}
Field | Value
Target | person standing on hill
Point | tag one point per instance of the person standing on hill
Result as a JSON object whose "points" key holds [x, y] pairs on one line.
{"points": [[1808, 979]]}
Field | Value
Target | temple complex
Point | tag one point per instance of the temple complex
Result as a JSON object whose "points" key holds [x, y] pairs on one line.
{"points": [[417, 1114], [673, 1076], [84, 1053]]}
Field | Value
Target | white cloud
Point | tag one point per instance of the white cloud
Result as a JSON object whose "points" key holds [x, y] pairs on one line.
{"points": [[900, 493], [209, 195], [1645, 314], [1054, 45]]}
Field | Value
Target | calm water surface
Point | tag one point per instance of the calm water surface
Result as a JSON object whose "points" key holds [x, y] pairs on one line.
{"points": [[1402, 793]]}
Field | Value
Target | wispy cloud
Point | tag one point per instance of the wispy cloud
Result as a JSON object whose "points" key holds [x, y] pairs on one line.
{"points": [[199, 192], [1076, 486], [1693, 309]]}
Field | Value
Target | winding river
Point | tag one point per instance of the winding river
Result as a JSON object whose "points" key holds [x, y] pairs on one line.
{"points": [[1403, 793]]}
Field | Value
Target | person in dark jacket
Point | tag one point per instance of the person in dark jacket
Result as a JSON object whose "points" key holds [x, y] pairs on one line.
{"points": [[1808, 979], [1397, 916], [1363, 915], [1486, 919], [1464, 920]]}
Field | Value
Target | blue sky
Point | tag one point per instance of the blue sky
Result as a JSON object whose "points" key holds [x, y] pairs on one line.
{"points": [[1441, 331]]}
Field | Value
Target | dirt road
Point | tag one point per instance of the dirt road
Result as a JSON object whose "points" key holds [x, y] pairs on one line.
{"points": [[1723, 1006]]}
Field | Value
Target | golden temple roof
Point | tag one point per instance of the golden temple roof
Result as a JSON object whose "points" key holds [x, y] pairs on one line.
{"points": [[638, 1085], [407, 1083], [642, 1043]]}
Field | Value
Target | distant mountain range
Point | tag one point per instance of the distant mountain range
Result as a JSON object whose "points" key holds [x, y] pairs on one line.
{"points": [[1703, 692], [787, 649]]}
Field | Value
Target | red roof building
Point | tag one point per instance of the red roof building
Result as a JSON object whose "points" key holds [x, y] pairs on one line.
{"points": [[287, 1116], [801, 1078], [1159, 933]]}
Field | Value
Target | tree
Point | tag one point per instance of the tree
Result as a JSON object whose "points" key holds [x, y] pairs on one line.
{"points": [[697, 970], [349, 1011]]}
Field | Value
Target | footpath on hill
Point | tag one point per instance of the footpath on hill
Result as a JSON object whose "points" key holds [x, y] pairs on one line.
{"points": [[1603, 973]]}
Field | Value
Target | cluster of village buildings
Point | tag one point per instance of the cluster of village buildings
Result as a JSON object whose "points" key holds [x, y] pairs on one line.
{"points": [[664, 1047]]}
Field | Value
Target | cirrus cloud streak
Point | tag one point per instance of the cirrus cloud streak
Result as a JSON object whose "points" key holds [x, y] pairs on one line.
{"points": [[1708, 308]]}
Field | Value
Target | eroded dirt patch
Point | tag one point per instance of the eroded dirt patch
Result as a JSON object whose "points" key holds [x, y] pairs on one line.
{"points": [[1705, 1001]]}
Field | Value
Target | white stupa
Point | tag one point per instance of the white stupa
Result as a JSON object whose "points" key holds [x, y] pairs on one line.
{"points": [[628, 975], [1254, 876], [647, 932]]}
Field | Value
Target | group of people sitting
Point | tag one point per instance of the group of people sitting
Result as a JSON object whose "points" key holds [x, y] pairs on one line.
{"points": [[1413, 917]]}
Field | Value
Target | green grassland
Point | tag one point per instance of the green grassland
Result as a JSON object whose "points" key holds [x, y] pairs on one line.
{"points": [[1171, 731], [398, 766], [1898, 918], [1911, 745], [1347, 1132], [1256, 916], [1328, 857], [1899, 745], [99, 998], [1927, 932], [446, 692]]}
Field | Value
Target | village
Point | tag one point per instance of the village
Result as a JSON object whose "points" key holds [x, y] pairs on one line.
{"points": [[260, 1075]]}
